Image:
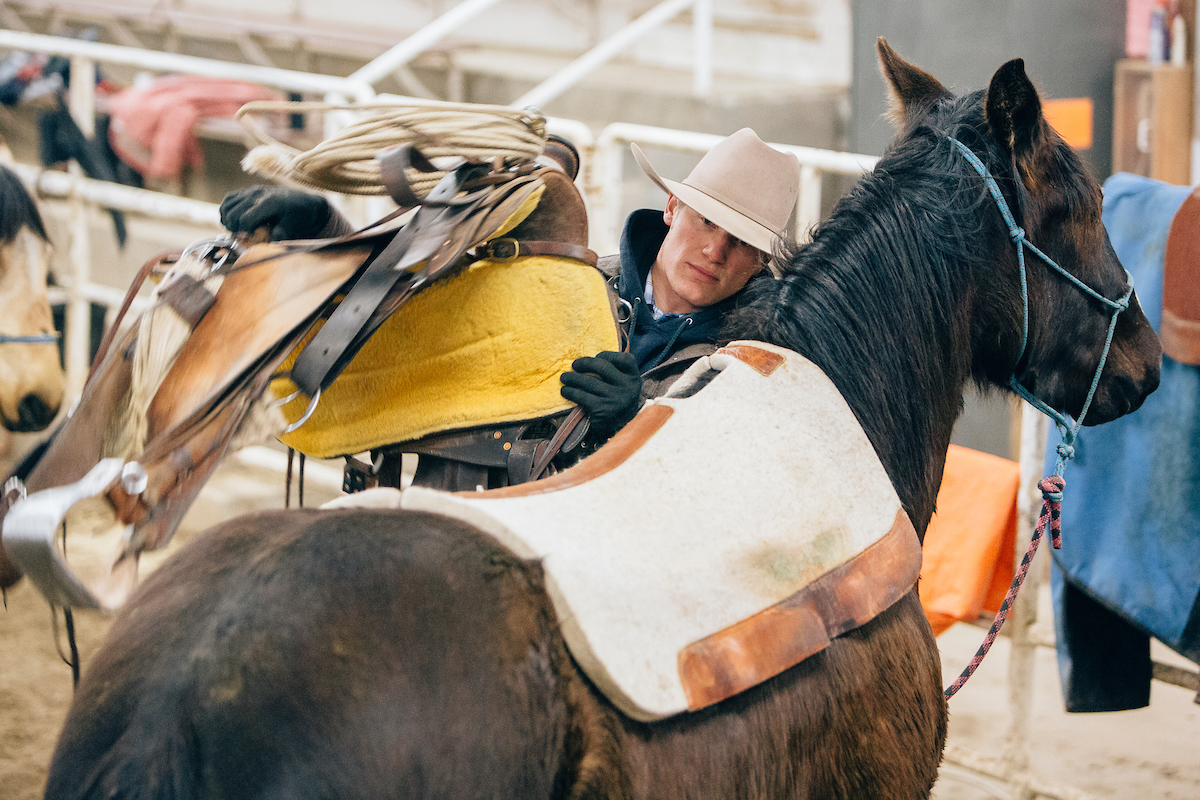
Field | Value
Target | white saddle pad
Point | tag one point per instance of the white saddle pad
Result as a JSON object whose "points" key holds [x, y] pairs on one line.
{"points": [[728, 532]]}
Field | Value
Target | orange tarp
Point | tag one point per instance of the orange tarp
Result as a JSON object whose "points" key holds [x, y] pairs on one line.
{"points": [[968, 550], [1072, 118]]}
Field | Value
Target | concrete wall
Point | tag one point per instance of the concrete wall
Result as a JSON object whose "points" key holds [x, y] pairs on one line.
{"points": [[1070, 48]]}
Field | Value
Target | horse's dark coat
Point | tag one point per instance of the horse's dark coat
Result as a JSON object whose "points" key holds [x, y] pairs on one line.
{"points": [[19, 208], [382, 654]]}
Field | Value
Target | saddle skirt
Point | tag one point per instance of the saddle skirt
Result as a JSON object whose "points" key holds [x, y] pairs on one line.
{"points": [[1180, 328], [731, 530]]}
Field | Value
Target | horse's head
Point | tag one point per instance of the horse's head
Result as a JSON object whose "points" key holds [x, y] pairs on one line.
{"points": [[31, 379], [1057, 204]]}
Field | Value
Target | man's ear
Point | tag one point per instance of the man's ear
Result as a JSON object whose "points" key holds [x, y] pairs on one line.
{"points": [[669, 211]]}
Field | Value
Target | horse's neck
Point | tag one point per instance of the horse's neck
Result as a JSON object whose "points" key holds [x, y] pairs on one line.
{"points": [[892, 331]]}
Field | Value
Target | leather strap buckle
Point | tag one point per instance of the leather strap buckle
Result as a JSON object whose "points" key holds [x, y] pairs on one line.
{"points": [[504, 249], [357, 476]]}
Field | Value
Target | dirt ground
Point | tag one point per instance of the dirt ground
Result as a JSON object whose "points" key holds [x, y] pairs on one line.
{"points": [[1149, 753]]}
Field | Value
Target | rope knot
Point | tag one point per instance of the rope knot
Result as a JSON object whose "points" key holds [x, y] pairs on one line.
{"points": [[1052, 493], [1052, 487], [1017, 233], [1066, 452]]}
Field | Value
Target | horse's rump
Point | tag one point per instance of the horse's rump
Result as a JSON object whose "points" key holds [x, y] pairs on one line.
{"points": [[371, 625]]}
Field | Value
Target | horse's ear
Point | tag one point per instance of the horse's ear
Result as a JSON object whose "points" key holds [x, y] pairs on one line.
{"points": [[909, 87], [1014, 111]]}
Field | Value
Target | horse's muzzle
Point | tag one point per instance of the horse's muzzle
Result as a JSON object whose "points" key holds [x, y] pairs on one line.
{"points": [[1123, 394], [33, 414]]}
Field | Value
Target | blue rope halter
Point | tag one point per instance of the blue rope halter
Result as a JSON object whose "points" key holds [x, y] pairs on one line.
{"points": [[1067, 432], [1051, 486], [37, 338]]}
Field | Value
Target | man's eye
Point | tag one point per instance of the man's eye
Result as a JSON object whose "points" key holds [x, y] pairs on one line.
{"points": [[707, 221]]}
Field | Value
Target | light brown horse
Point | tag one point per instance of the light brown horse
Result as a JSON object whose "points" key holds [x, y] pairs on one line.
{"points": [[31, 376], [367, 653], [31, 380]]}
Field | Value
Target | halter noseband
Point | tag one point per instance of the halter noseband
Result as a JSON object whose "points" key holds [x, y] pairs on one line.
{"points": [[37, 338], [1067, 431]]}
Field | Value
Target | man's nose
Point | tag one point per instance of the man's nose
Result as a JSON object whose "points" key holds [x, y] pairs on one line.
{"points": [[718, 246]]}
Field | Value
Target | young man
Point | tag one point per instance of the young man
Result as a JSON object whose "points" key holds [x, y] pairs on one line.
{"points": [[681, 270]]}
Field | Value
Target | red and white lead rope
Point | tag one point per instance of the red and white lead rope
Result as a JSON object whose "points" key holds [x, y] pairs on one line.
{"points": [[1052, 488]]}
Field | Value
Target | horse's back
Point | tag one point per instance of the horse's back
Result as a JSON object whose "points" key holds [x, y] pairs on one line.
{"points": [[295, 654], [399, 654]]}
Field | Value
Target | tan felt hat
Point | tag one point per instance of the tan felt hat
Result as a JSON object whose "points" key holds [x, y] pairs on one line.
{"points": [[743, 185]]}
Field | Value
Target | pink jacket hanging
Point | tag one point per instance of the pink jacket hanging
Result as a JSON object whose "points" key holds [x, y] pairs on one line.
{"points": [[152, 127]]}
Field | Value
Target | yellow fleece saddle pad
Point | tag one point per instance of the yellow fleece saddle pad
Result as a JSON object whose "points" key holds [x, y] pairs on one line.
{"points": [[481, 348], [728, 532]]}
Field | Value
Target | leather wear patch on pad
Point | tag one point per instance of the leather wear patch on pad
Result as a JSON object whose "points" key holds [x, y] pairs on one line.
{"points": [[760, 647]]}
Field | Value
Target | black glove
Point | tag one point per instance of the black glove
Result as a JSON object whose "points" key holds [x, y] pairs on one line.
{"points": [[608, 387], [289, 213]]}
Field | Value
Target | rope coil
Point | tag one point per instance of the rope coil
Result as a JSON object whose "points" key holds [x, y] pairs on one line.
{"points": [[346, 163]]}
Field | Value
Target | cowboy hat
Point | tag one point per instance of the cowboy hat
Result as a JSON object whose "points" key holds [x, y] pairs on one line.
{"points": [[743, 185]]}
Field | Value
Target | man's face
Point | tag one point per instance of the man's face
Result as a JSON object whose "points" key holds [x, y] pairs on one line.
{"points": [[699, 264]]}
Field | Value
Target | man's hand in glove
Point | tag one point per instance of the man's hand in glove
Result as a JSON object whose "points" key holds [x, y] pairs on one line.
{"points": [[608, 387], [287, 213]]}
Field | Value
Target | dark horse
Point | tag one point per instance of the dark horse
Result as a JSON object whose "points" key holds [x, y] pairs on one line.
{"points": [[363, 653]]}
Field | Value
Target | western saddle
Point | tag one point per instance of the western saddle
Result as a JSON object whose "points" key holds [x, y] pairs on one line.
{"points": [[286, 319]]}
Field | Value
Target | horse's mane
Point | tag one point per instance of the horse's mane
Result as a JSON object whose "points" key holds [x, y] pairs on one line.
{"points": [[19, 208], [880, 298]]}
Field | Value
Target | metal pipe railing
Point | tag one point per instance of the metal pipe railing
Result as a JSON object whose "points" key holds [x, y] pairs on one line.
{"points": [[601, 157], [702, 44], [52, 183], [420, 41], [191, 65], [587, 63]]}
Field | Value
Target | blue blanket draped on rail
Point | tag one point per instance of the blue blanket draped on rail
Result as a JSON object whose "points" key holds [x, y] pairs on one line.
{"points": [[1129, 567]]}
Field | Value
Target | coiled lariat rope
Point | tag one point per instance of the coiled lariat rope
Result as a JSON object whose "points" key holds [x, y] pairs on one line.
{"points": [[346, 161], [1052, 485]]}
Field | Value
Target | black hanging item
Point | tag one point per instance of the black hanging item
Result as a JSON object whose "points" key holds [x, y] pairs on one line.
{"points": [[60, 139]]}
